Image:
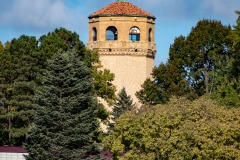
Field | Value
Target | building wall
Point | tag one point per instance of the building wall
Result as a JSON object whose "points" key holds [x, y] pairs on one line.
{"points": [[11, 156], [130, 71]]}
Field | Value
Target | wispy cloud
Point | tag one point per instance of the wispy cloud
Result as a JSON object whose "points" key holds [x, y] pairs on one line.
{"points": [[45, 14], [222, 8], [38, 15], [185, 10]]}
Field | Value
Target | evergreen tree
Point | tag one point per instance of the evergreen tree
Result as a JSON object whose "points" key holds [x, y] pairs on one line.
{"points": [[235, 36], [228, 92], [123, 103], [22, 64], [65, 123], [18, 73], [69, 41]]}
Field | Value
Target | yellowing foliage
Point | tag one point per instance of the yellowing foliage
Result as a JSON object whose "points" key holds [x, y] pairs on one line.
{"points": [[179, 130], [1, 47]]}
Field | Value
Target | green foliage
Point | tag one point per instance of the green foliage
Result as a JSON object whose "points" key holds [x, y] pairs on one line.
{"points": [[236, 31], [65, 123], [235, 36], [151, 94], [178, 130], [207, 52], [1, 47], [168, 79], [22, 64], [18, 72], [69, 41], [103, 82], [227, 93], [196, 66], [7, 44], [60, 39], [123, 104]]}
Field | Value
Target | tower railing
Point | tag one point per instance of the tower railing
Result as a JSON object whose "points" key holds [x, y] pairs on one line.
{"points": [[122, 44], [111, 37]]}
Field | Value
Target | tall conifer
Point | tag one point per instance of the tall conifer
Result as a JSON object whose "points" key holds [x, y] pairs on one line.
{"points": [[123, 103], [64, 125], [18, 73]]}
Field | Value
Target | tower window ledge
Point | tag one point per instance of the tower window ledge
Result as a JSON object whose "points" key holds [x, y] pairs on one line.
{"points": [[134, 41]]}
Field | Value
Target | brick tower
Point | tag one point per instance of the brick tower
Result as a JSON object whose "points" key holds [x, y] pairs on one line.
{"points": [[123, 34]]}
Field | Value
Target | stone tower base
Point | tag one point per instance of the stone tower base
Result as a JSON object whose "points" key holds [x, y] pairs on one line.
{"points": [[130, 71]]}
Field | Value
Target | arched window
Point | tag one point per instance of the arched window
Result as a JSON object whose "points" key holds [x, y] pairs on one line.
{"points": [[150, 35], [94, 34], [134, 34], [111, 33]]}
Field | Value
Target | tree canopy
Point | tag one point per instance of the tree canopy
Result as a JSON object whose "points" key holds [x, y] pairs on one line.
{"points": [[1, 47], [23, 61], [18, 73], [180, 129], [196, 66]]}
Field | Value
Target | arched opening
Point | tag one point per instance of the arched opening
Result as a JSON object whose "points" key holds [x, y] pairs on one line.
{"points": [[150, 35], [111, 33], [134, 34], [94, 34]]}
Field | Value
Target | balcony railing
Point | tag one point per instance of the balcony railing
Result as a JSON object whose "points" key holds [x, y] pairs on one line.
{"points": [[123, 44], [111, 37]]}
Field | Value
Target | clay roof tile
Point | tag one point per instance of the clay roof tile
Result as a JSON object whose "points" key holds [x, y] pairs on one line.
{"points": [[121, 8]]}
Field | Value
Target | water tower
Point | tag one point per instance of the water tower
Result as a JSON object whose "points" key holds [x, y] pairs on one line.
{"points": [[123, 34]]}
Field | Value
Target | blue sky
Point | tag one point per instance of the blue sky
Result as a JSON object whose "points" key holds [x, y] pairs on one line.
{"points": [[174, 17]]}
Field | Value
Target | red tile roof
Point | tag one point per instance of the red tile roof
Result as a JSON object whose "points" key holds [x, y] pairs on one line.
{"points": [[120, 9], [16, 149]]}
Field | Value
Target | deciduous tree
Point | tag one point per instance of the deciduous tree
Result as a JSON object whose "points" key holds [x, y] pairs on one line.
{"points": [[1, 47], [168, 79], [197, 65], [207, 52], [178, 130]]}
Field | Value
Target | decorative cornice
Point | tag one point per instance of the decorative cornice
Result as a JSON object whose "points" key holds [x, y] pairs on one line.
{"points": [[126, 51]]}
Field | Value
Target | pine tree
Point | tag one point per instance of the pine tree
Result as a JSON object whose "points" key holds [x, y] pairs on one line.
{"points": [[18, 73], [123, 103], [65, 123]]}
